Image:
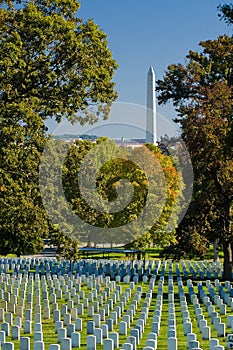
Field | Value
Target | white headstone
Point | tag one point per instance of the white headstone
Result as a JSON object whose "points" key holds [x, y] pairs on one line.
{"points": [[122, 328], [91, 342], [76, 340], [108, 344]]}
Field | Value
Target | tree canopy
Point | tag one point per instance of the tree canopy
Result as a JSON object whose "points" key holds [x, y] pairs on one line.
{"points": [[201, 91], [52, 65], [151, 193], [226, 13], [54, 61]]}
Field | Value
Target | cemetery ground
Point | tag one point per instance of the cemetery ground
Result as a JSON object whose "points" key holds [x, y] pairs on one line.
{"points": [[107, 304]]}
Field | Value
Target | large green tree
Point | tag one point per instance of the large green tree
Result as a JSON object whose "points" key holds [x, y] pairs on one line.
{"points": [[52, 65], [151, 175], [201, 91], [54, 60]]}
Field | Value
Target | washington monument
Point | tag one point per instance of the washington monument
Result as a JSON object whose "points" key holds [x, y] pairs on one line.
{"points": [[151, 129]]}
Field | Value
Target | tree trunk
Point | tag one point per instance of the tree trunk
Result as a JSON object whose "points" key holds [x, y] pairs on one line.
{"points": [[227, 265], [216, 257], [89, 241]]}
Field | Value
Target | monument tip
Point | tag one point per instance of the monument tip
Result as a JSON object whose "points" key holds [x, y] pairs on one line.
{"points": [[151, 70]]}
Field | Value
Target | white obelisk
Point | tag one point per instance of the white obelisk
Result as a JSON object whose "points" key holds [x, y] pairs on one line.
{"points": [[151, 130]]}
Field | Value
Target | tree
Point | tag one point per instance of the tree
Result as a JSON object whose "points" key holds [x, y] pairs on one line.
{"points": [[66, 247], [52, 65], [163, 228], [226, 13], [54, 61], [201, 92], [107, 165], [141, 208], [23, 221]]}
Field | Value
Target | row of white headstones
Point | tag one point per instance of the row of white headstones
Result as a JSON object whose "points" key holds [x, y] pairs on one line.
{"points": [[112, 311]]}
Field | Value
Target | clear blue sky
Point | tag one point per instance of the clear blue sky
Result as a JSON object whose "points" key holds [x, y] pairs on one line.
{"points": [[152, 32]]}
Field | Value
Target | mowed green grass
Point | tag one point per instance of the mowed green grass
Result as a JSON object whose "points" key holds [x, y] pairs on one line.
{"points": [[50, 337]]}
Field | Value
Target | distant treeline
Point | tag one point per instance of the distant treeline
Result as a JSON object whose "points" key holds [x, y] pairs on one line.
{"points": [[74, 137]]}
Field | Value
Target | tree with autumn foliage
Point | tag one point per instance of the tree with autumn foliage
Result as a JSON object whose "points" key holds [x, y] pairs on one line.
{"points": [[148, 175], [201, 92]]}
